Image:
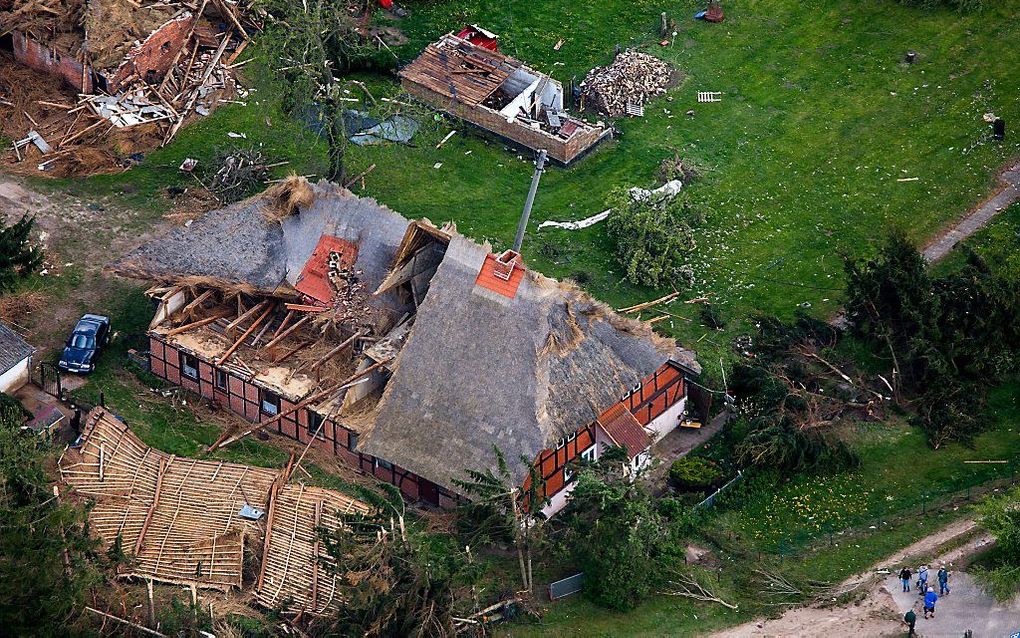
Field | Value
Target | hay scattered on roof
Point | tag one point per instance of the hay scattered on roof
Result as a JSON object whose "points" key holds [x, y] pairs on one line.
{"points": [[286, 198]]}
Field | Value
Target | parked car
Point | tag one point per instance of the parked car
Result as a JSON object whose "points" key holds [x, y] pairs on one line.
{"points": [[90, 335]]}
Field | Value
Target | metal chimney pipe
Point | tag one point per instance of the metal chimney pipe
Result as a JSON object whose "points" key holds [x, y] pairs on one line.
{"points": [[523, 224]]}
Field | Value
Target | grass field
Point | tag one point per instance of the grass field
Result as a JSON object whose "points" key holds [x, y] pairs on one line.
{"points": [[819, 120]]}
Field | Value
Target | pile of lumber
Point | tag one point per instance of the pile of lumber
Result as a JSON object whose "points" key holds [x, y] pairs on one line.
{"points": [[632, 79]]}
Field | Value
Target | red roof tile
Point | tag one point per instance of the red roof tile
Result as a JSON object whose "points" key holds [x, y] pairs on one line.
{"points": [[314, 279], [621, 426], [487, 278]]}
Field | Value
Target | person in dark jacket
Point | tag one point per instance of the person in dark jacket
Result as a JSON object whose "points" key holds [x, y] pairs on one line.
{"points": [[943, 576], [905, 575], [910, 618]]}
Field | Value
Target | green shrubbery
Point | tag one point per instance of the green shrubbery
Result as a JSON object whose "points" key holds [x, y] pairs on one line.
{"points": [[694, 474]]}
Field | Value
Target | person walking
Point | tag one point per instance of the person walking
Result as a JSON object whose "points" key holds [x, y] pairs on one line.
{"points": [[930, 598], [905, 575], [910, 618], [922, 580], [943, 577]]}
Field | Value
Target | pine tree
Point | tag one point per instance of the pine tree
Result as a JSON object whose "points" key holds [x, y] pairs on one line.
{"points": [[18, 257]]}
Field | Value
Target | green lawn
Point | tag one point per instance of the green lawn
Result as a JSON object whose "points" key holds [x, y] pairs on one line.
{"points": [[818, 121]]}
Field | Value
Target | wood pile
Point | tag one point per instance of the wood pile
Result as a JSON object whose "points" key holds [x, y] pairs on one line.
{"points": [[632, 79]]}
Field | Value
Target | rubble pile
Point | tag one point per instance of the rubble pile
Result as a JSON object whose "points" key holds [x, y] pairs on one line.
{"points": [[350, 298], [632, 79], [80, 110]]}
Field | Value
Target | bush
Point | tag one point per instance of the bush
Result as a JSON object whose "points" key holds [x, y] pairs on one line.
{"points": [[653, 240], [10, 405], [694, 474]]}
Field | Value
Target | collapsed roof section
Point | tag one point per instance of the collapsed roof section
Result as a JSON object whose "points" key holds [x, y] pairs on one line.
{"points": [[500, 95]]}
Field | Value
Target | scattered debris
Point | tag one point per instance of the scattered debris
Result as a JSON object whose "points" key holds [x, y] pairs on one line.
{"points": [[658, 196], [188, 165], [446, 139], [396, 128], [578, 225], [632, 79], [241, 172]]}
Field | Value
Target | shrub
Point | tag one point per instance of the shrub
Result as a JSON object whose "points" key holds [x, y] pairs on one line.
{"points": [[694, 474], [10, 405]]}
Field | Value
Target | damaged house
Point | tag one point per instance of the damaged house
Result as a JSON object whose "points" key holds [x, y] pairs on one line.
{"points": [[407, 349], [466, 76], [97, 45]]}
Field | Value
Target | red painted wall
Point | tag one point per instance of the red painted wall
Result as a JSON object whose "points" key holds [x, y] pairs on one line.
{"points": [[43, 58], [156, 54]]}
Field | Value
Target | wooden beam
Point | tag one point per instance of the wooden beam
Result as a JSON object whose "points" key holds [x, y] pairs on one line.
{"points": [[246, 315], [304, 307], [145, 630], [163, 465], [247, 333], [283, 324], [329, 355], [198, 324], [300, 322], [290, 353], [315, 559], [269, 531], [196, 302]]}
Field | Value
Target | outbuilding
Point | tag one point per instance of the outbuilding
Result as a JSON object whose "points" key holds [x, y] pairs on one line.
{"points": [[15, 360]]}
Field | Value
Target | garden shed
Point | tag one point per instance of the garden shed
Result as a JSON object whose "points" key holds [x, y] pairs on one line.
{"points": [[15, 360]]}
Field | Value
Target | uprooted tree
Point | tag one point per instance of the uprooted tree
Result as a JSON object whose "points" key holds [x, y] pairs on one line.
{"points": [[18, 256], [791, 397], [654, 236], [945, 338]]}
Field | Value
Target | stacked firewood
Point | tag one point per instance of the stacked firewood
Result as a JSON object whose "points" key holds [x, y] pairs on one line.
{"points": [[633, 78]]}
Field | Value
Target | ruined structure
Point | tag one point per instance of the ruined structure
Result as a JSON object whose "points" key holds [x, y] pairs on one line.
{"points": [[468, 79], [406, 349]]}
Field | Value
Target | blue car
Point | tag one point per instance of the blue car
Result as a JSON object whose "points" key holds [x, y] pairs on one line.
{"points": [[84, 344]]}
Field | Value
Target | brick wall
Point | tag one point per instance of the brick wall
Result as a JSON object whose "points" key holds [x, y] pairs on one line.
{"points": [[151, 59], [242, 397], [559, 149], [48, 60]]}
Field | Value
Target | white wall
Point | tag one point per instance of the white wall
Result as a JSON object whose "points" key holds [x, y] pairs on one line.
{"points": [[16, 377], [167, 307], [666, 422]]}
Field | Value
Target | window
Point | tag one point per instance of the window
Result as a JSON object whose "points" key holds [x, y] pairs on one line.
{"points": [[352, 440], [386, 465], [270, 403], [571, 436], [560, 444], [220, 379], [314, 422], [589, 455], [568, 475], [189, 366], [165, 46]]}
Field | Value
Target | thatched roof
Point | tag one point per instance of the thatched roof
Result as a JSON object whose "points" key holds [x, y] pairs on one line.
{"points": [[13, 349], [252, 245], [482, 370]]}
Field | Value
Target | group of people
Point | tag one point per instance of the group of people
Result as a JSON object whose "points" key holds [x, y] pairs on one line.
{"points": [[923, 589]]}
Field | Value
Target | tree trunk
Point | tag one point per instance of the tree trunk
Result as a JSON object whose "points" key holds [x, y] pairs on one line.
{"points": [[336, 135]]}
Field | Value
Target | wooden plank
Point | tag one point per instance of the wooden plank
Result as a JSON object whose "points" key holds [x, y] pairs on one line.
{"points": [[155, 501], [283, 324], [196, 302], [198, 324], [302, 321], [245, 316], [332, 353], [247, 333], [304, 307]]}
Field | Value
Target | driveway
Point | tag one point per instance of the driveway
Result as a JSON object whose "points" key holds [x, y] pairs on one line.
{"points": [[967, 607]]}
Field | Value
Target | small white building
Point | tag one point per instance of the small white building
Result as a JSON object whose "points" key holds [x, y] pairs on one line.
{"points": [[15, 360]]}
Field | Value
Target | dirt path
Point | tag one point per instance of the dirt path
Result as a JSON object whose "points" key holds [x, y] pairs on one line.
{"points": [[979, 216], [879, 613], [79, 238]]}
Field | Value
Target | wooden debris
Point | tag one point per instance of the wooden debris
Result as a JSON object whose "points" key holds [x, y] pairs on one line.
{"points": [[632, 78]]}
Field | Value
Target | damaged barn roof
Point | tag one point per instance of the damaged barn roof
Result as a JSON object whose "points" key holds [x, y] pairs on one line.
{"points": [[257, 246], [482, 370]]}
